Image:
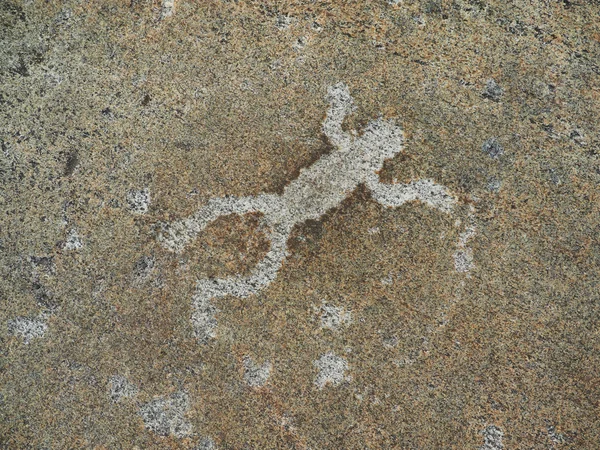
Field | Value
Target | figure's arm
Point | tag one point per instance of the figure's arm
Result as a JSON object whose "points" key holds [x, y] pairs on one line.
{"points": [[426, 191]]}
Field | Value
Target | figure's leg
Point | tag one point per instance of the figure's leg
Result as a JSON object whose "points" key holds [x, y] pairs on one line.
{"points": [[426, 191], [203, 315], [177, 235]]}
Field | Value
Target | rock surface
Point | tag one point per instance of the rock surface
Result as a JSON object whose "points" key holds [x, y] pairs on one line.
{"points": [[242, 224]]}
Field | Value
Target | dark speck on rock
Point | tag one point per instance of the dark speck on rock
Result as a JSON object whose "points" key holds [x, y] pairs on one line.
{"points": [[494, 185], [492, 148], [43, 297], [71, 164], [578, 136], [554, 177], [21, 68], [493, 91], [44, 262], [144, 266]]}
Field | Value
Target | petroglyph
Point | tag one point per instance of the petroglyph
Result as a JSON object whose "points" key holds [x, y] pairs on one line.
{"points": [[318, 189]]}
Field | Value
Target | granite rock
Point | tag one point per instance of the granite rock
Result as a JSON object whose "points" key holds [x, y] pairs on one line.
{"points": [[242, 224]]}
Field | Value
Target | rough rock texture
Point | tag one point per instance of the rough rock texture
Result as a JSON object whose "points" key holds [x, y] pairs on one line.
{"points": [[447, 298]]}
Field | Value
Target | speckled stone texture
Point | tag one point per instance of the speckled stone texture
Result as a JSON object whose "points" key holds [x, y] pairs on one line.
{"points": [[385, 325]]}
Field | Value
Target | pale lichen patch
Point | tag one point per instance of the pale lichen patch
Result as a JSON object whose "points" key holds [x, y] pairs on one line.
{"points": [[463, 256], [143, 268], [206, 443], [138, 201], [463, 260], [374, 230], [28, 328], [494, 185], [333, 317], [283, 22], [493, 91], [167, 8], [332, 369], [492, 436], [166, 416], [73, 241], [119, 388], [492, 148], [256, 375], [204, 321], [387, 280], [390, 341], [426, 191]]}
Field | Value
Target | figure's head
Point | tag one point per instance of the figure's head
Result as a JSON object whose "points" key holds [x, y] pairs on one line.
{"points": [[381, 139]]}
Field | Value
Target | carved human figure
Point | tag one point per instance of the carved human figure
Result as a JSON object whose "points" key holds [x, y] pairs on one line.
{"points": [[318, 188]]}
